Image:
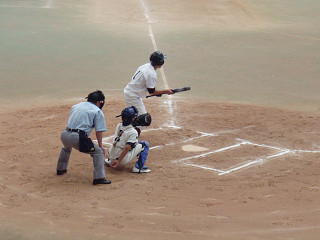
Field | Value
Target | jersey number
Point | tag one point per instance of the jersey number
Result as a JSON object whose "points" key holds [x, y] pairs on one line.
{"points": [[136, 74]]}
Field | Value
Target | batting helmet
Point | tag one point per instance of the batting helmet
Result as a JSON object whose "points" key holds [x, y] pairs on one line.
{"points": [[128, 114], [157, 58]]}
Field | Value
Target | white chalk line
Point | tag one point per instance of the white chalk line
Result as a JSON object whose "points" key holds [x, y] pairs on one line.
{"points": [[259, 160], [145, 11], [163, 75], [153, 40], [206, 154], [164, 79], [172, 120], [182, 141], [241, 142], [108, 140], [202, 135], [280, 152], [204, 167]]}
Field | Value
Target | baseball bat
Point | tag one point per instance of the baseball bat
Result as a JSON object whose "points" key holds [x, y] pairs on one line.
{"points": [[182, 89]]}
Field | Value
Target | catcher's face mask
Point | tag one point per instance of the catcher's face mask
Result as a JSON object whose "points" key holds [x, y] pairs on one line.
{"points": [[95, 97], [101, 104]]}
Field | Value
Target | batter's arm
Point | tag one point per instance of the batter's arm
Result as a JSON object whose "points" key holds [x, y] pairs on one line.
{"points": [[153, 91], [171, 91]]}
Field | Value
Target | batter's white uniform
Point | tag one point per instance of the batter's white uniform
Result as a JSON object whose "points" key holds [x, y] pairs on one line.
{"points": [[124, 135], [145, 77]]}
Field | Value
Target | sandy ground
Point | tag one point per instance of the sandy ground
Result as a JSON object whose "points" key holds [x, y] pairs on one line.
{"points": [[265, 190], [219, 170]]}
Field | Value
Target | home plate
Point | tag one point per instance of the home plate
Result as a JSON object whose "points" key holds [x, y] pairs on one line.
{"points": [[193, 148]]}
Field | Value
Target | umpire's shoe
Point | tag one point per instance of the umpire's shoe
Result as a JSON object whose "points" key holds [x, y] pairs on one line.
{"points": [[101, 181], [61, 172]]}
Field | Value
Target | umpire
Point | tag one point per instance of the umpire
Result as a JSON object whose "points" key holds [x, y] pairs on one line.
{"points": [[83, 118]]}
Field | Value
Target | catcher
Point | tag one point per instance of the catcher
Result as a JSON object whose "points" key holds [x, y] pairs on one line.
{"points": [[125, 145]]}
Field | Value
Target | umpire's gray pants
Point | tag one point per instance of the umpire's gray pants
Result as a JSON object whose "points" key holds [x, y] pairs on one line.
{"points": [[71, 140]]}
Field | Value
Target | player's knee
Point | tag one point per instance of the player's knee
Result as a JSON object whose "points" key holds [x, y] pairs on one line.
{"points": [[98, 151]]}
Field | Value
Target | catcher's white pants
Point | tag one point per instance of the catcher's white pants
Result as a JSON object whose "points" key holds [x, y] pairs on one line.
{"points": [[137, 102], [130, 155]]}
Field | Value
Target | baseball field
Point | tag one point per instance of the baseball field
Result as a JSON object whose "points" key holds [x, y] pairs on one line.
{"points": [[235, 158]]}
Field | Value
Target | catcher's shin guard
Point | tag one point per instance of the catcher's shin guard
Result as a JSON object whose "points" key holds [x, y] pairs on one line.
{"points": [[143, 155]]}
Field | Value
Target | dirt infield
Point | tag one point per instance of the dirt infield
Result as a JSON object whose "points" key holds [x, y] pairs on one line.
{"points": [[273, 198], [220, 170]]}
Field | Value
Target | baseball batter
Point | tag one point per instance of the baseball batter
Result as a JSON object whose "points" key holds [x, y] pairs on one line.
{"points": [[143, 83], [125, 145]]}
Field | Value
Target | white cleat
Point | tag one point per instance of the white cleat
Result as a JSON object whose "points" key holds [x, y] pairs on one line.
{"points": [[108, 162], [143, 170]]}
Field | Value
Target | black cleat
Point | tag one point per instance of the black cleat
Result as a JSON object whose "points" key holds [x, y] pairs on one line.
{"points": [[101, 181], [61, 172]]}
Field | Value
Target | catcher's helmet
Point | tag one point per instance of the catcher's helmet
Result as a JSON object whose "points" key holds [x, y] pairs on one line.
{"points": [[128, 114], [157, 58]]}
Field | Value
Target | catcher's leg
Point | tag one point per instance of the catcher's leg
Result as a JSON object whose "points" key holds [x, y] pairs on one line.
{"points": [[132, 154], [139, 166]]}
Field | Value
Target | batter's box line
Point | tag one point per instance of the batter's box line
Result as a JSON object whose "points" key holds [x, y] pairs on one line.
{"points": [[281, 152], [185, 141], [202, 135], [108, 140]]}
